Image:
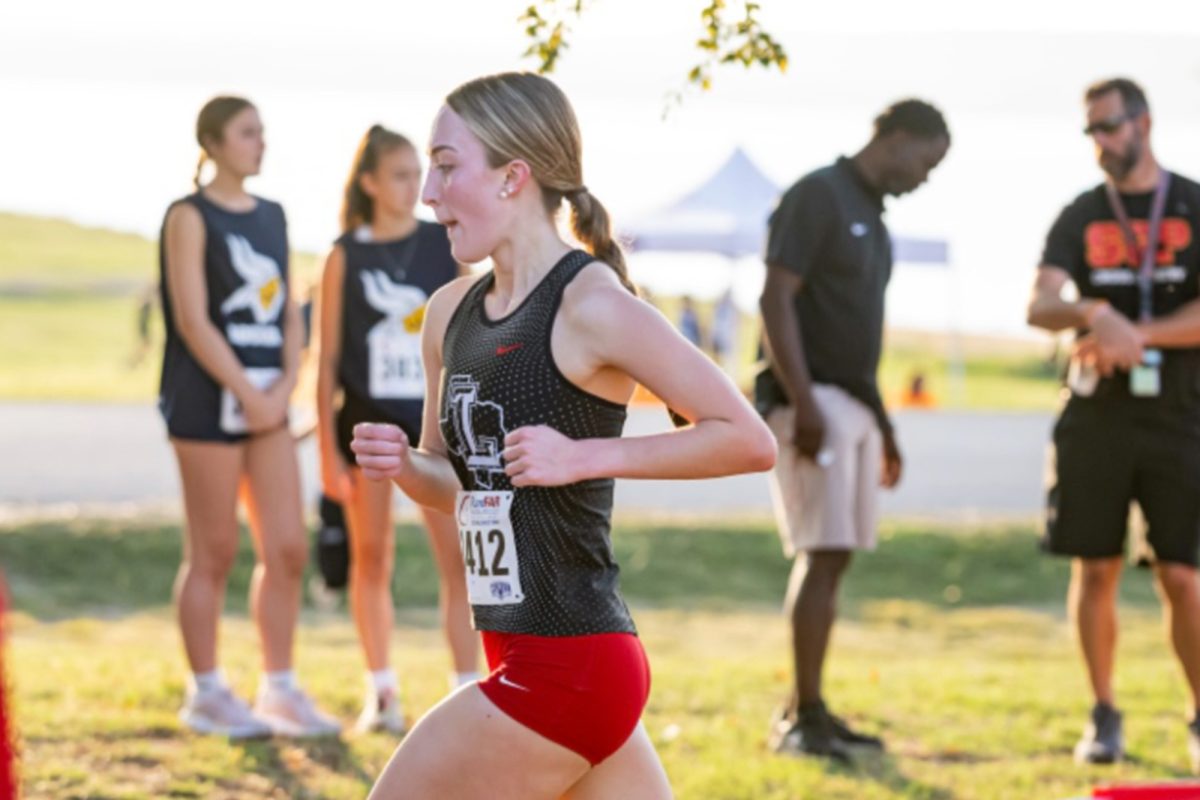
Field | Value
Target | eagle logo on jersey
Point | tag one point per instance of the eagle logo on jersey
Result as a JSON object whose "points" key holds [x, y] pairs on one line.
{"points": [[477, 430], [263, 290], [402, 305], [393, 343]]}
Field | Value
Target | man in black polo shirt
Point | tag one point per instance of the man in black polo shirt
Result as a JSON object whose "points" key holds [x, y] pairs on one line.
{"points": [[829, 258], [1130, 429]]}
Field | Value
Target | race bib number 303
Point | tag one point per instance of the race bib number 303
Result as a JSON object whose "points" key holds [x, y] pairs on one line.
{"points": [[394, 363], [489, 549]]}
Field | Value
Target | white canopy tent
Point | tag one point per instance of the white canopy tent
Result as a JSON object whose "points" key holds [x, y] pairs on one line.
{"points": [[723, 221], [727, 215]]}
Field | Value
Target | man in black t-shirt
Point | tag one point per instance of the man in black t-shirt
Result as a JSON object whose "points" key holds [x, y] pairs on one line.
{"points": [[829, 258], [1130, 429]]}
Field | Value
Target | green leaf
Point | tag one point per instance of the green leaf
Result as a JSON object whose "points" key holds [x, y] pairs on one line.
{"points": [[741, 40]]}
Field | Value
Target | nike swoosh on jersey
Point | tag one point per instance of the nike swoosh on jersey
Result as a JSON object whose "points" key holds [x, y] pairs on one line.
{"points": [[504, 680]]}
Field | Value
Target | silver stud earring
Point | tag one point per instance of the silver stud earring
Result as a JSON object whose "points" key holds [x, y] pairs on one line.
{"points": [[504, 194]]}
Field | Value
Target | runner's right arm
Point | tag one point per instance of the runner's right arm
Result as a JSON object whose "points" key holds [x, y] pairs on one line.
{"points": [[785, 352], [1049, 311], [334, 476]]}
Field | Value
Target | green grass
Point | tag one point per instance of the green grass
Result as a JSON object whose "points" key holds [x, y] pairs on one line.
{"points": [[952, 644], [1020, 378], [64, 255], [58, 252], [74, 347]]}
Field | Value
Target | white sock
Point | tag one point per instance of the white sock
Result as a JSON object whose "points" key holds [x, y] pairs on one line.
{"points": [[382, 680], [461, 679], [282, 680], [209, 681]]}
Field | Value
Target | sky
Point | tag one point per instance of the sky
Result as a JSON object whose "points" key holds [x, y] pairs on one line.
{"points": [[100, 102]]}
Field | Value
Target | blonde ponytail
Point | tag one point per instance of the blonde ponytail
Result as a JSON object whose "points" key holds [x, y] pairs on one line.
{"points": [[591, 225]]}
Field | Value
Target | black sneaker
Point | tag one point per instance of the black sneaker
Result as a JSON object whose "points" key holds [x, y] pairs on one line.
{"points": [[853, 738], [1103, 741], [812, 734], [1194, 744], [781, 725]]}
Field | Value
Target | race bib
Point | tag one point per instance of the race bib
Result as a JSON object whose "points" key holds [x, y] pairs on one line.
{"points": [[489, 549], [233, 417], [394, 362]]}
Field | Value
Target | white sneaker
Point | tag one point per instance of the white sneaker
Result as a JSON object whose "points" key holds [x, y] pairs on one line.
{"points": [[291, 712], [382, 712], [220, 712]]}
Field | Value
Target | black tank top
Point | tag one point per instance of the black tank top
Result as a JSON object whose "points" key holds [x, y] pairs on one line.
{"points": [[499, 375], [246, 275], [386, 287]]}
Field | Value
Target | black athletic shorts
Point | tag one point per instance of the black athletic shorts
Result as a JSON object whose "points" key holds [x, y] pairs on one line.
{"points": [[355, 410], [1109, 452], [190, 403]]}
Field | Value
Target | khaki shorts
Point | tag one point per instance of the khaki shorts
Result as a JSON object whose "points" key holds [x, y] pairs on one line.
{"points": [[834, 507]]}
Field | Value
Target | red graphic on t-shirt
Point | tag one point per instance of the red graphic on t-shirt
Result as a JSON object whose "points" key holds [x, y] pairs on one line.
{"points": [[1105, 246]]}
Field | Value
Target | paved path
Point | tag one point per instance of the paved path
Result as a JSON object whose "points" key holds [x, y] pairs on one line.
{"points": [[57, 456]]}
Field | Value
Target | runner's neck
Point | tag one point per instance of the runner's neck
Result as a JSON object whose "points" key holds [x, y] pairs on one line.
{"points": [[385, 228]]}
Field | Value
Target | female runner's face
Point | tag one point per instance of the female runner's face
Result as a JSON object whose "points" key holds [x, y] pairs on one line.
{"points": [[240, 150], [395, 183], [464, 191]]}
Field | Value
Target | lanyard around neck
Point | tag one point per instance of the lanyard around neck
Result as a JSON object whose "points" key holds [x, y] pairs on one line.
{"points": [[1147, 256]]}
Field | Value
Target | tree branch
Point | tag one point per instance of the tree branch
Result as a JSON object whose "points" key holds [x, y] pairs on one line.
{"points": [[740, 41]]}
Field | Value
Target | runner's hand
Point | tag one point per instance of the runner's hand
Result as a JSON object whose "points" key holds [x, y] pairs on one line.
{"points": [[1114, 343], [540, 456], [381, 450], [336, 479], [808, 433], [893, 462], [262, 411], [280, 393]]}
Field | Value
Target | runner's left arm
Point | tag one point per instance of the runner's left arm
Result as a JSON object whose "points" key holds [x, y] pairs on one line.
{"points": [[293, 342], [726, 435]]}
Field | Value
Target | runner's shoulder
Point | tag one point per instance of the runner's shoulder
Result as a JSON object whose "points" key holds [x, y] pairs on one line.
{"points": [[184, 212], [596, 299]]}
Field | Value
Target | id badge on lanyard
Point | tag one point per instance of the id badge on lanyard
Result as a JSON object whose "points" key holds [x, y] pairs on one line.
{"points": [[1145, 379]]}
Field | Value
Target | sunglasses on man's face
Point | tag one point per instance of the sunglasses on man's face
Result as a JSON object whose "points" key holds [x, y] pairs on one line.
{"points": [[1106, 126]]}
